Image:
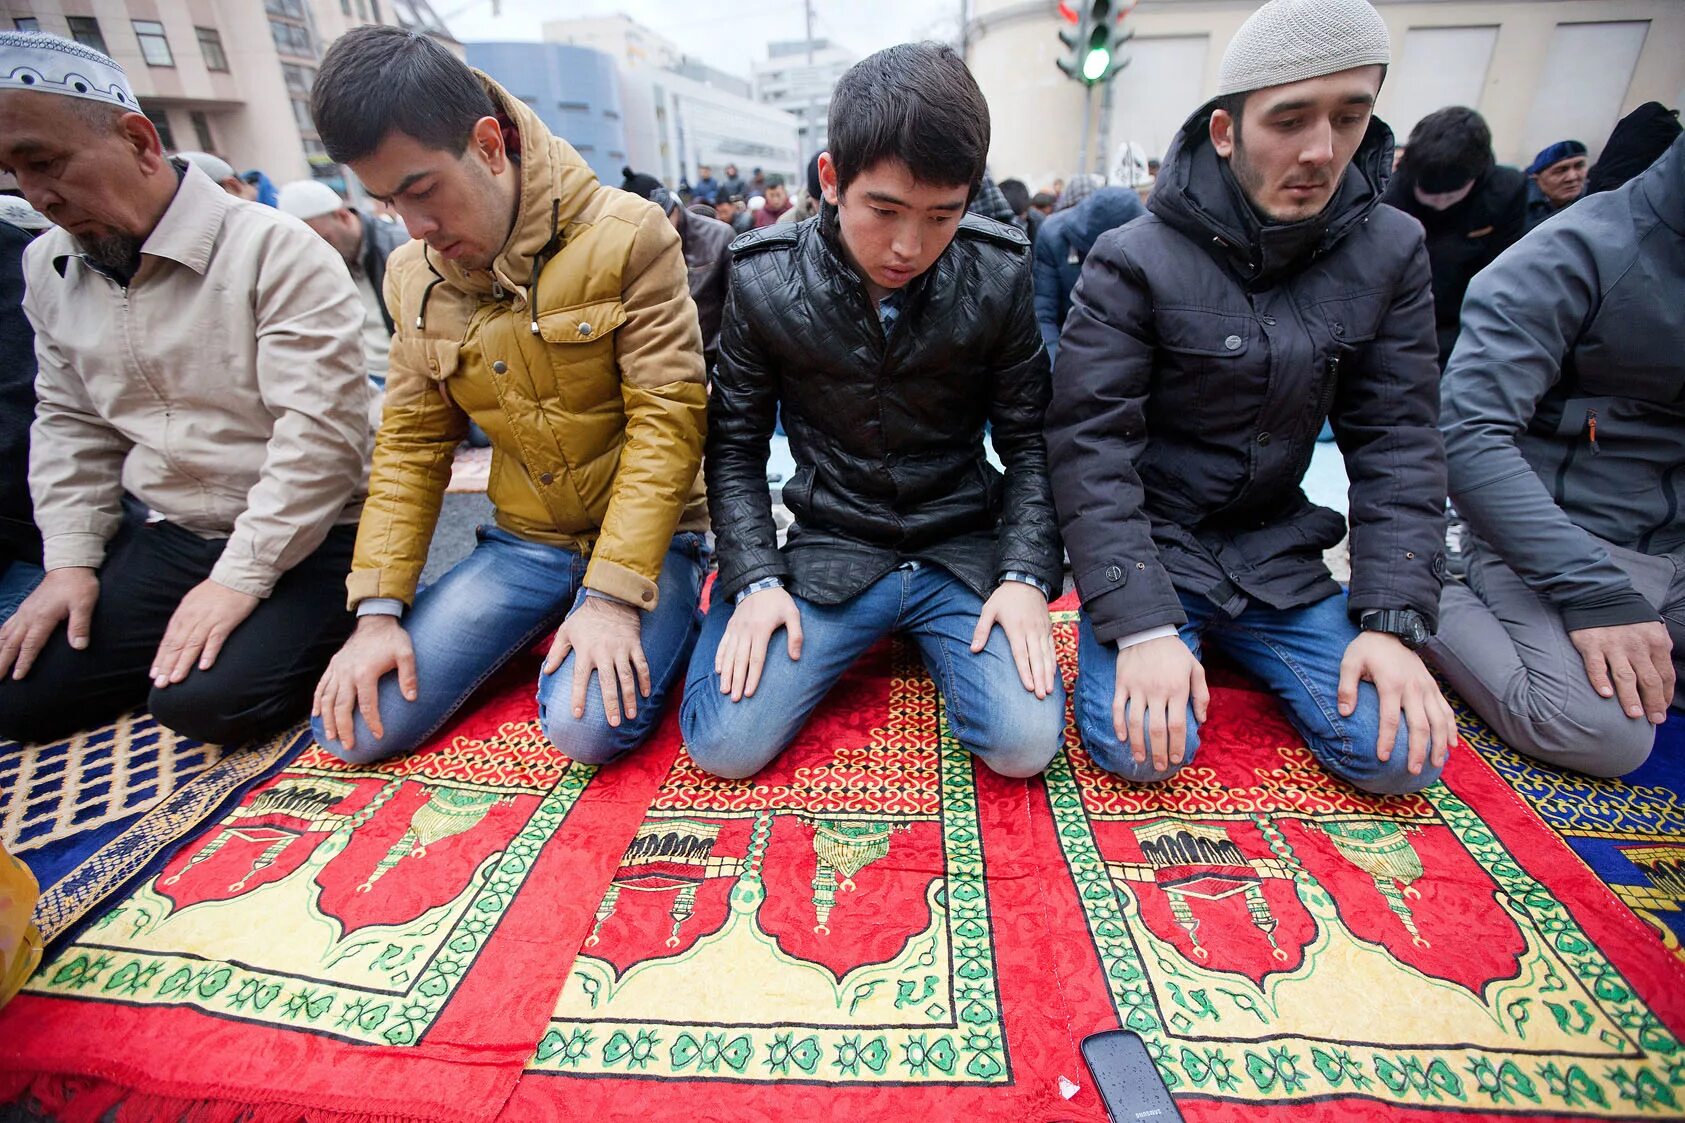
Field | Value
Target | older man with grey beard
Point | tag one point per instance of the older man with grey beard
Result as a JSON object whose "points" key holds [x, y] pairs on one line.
{"points": [[201, 443]]}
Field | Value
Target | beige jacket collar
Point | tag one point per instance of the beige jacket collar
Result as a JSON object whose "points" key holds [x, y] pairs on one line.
{"points": [[187, 231]]}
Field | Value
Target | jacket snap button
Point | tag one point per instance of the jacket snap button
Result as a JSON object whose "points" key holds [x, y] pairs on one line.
{"points": [[1410, 554], [1113, 573], [1339, 328], [1263, 438], [1232, 343], [648, 596], [584, 329], [499, 367], [547, 479], [1269, 321]]}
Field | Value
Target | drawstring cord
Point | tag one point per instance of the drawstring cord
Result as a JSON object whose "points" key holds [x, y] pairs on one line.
{"points": [[538, 260]]}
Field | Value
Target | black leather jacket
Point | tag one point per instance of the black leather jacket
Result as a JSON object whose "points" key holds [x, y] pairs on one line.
{"points": [[1203, 351], [886, 430]]}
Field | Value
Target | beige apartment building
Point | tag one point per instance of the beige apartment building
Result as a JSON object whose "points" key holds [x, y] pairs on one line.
{"points": [[1538, 70], [231, 77]]}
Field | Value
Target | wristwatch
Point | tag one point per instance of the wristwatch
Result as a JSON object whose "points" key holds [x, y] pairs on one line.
{"points": [[1404, 624]]}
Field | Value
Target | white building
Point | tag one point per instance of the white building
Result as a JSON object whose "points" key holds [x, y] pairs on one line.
{"points": [[799, 76], [679, 113]]}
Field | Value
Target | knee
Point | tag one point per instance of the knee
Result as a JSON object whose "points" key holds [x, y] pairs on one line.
{"points": [[32, 720], [1605, 743], [364, 748], [1020, 739], [1362, 767], [1114, 755], [591, 739], [199, 713], [719, 746]]}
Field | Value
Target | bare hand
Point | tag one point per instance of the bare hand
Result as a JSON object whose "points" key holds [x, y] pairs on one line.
{"points": [[1405, 687], [1633, 662], [1155, 682], [606, 636], [64, 594], [741, 655], [1021, 612], [352, 680], [201, 623]]}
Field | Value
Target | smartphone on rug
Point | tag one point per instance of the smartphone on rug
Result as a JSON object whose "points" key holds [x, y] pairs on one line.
{"points": [[1129, 1083]]}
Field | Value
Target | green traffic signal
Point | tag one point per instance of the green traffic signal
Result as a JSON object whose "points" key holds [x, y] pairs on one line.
{"points": [[1096, 63]]}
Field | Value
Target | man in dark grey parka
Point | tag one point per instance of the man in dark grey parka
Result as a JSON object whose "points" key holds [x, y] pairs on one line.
{"points": [[1268, 290], [1564, 421]]}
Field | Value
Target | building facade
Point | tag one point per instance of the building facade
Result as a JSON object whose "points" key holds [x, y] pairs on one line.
{"points": [[798, 76], [225, 76], [574, 90], [1538, 71]]}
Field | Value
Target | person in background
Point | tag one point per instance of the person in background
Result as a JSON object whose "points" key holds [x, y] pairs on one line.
{"points": [[990, 203], [731, 184], [1044, 201], [20, 541], [1638, 141], [221, 173], [757, 184], [889, 330], [1267, 289], [706, 188], [364, 244], [704, 239], [259, 188], [1564, 424], [1152, 168], [1017, 197], [554, 310], [201, 356], [1062, 247], [777, 202], [1080, 187], [807, 204], [1555, 178], [1472, 208]]}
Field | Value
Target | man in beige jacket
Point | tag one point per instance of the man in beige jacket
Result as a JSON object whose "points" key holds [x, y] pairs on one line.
{"points": [[201, 446]]}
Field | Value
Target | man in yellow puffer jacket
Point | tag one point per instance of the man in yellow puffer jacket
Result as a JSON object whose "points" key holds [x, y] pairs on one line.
{"points": [[553, 311]]}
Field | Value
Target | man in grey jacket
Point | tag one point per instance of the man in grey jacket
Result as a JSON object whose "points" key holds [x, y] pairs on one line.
{"points": [[1564, 421]]}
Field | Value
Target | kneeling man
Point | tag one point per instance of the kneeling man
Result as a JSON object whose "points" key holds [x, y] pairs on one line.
{"points": [[554, 312], [1268, 290], [200, 448]]}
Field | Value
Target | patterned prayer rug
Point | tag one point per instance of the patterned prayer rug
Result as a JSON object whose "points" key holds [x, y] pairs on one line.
{"points": [[876, 927], [89, 815]]}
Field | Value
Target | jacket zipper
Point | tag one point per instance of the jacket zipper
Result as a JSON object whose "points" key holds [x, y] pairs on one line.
{"points": [[1574, 451]]}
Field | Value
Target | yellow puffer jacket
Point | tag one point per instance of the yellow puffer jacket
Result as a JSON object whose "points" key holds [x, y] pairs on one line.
{"points": [[580, 356]]}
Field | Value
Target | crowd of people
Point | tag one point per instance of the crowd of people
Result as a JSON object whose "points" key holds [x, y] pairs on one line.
{"points": [[217, 523]]}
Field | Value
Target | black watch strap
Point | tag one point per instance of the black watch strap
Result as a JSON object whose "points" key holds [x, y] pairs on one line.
{"points": [[1404, 624]]}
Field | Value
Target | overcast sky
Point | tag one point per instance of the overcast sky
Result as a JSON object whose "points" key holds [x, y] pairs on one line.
{"points": [[727, 34]]}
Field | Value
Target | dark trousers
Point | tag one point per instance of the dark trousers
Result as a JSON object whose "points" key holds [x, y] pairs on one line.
{"points": [[262, 681]]}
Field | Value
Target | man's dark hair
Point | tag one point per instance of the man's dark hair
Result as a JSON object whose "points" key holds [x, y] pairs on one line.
{"points": [[1017, 195], [917, 103], [1448, 148], [1042, 199], [377, 80]]}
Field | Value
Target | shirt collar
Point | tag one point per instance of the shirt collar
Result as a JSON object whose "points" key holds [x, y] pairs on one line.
{"points": [[187, 231]]}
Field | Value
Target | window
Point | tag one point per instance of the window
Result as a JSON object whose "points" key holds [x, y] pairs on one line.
{"points": [[362, 9], [301, 115], [291, 39], [300, 79], [161, 121], [85, 30], [345, 8], [210, 45], [154, 47], [293, 9], [27, 23], [202, 130], [374, 6]]}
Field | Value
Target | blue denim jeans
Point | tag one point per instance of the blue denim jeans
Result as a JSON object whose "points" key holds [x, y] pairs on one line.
{"points": [[17, 581], [1297, 653], [499, 601], [989, 711]]}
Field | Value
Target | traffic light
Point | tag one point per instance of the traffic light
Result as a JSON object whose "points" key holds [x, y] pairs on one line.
{"points": [[1093, 39]]}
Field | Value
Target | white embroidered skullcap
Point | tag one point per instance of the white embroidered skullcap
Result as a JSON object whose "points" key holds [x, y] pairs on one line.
{"points": [[33, 60], [1291, 40], [214, 166], [308, 198], [19, 213]]}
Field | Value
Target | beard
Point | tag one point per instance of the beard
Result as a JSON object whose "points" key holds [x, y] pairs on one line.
{"points": [[1253, 183], [114, 253]]}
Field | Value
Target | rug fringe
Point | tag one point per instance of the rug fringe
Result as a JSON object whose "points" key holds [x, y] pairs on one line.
{"points": [[77, 1099]]}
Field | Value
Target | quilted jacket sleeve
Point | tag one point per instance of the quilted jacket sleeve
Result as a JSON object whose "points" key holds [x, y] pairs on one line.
{"points": [[1046, 270], [419, 431], [1387, 423], [659, 352], [1028, 540], [1096, 431], [741, 415]]}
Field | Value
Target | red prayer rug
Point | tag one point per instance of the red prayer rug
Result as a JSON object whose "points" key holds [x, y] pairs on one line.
{"points": [[876, 927]]}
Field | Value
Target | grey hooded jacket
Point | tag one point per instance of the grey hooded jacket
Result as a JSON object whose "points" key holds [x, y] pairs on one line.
{"points": [[1564, 401]]}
